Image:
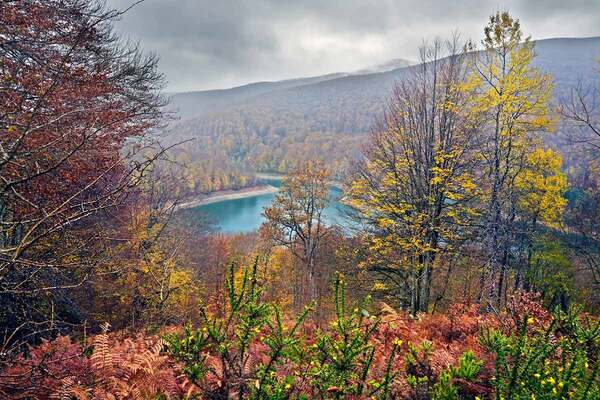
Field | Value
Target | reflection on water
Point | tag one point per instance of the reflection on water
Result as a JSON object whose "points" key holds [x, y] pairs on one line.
{"points": [[245, 215]]}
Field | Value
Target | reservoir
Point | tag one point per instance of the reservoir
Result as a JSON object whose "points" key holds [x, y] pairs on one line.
{"points": [[245, 214]]}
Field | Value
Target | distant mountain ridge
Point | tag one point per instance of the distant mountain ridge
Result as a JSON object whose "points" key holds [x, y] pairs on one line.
{"points": [[386, 66], [197, 103]]}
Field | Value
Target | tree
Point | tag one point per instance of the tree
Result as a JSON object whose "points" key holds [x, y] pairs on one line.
{"points": [[296, 220], [539, 195], [513, 98], [580, 110], [147, 278], [77, 106], [414, 185]]}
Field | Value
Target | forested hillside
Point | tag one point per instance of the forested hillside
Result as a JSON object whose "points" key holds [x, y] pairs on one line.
{"points": [[271, 126], [194, 104]]}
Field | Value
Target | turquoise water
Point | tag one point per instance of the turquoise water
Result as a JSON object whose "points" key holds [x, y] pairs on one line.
{"points": [[245, 215]]}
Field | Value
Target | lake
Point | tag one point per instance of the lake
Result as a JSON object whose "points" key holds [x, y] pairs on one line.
{"points": [[245, 214]]}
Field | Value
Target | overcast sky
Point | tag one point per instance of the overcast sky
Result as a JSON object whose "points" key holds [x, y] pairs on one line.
{"points": [[209, 44]]}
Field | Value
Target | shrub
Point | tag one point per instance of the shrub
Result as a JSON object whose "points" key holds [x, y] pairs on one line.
{"points": [[236, 355], [341, 360], [248, 353], [558, 360], [130, 368]]}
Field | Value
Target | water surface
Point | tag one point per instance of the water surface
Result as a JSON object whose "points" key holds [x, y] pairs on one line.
{"points": [[245, 214]]}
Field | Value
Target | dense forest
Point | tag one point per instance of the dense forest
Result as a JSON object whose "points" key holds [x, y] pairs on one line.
{"points": [[470, 271]]}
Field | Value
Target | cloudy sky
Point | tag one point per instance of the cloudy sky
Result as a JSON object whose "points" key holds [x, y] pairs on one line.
{"points": [[208, 44]]}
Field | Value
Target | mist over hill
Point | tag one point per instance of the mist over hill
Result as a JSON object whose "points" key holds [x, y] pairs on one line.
{"points": [[198, 103], [195, 104], [267, 126]]}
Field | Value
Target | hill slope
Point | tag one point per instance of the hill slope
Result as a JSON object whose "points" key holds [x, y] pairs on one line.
{"points": [[195, 104], [199, 103]]}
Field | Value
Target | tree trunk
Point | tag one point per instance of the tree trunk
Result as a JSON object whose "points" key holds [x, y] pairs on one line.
{"points": [[425, 288], [494, 220], [312, 282], [311, 269]]}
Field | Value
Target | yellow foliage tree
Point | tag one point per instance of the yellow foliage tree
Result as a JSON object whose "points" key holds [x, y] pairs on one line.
{"points": [[541, 186], [147, 280], [512, 98], [414, 187]]}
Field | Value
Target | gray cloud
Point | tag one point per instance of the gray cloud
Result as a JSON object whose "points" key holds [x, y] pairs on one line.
{"points": [[206, 44]]}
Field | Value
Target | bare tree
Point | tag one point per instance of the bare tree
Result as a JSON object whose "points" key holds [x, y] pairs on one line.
{"points": [[296, 219], [77, 106], [580, 110]]}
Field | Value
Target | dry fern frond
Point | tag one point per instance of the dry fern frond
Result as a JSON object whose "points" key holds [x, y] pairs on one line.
{"points": [[387, 310], [102, 357], [69, 390]]}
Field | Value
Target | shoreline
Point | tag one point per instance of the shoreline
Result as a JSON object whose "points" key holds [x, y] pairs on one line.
{"points": [[231, 194], [234, 194], [269, 175], [277, 177]]}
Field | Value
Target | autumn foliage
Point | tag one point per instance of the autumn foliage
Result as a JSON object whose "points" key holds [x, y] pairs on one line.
{"points": [[251, 353], [458, 276], [105, 367], [78, 108]]}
